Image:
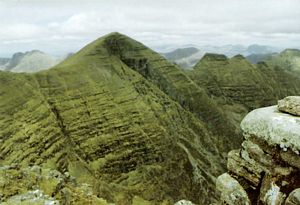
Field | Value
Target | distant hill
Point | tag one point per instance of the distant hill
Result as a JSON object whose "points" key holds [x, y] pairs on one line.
{"points": [[255, 58], [184, 57], [180, 53], [288, 59], [239, 86], [30, 61], [190, 59], [3, 61]]}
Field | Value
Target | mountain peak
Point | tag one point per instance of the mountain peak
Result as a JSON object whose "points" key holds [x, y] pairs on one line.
{"points": [[115, 33], [214, 57], [239, 56], [113, 43], [290, 51]]}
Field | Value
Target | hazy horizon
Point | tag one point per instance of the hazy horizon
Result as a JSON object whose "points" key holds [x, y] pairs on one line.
{"points": [[58, 27]]}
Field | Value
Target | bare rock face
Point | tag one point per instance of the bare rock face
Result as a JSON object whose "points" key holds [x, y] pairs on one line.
{"points": [[293, 198], [273, 127], [231, 190], [183, 202], [290, 105], [267, 167]]}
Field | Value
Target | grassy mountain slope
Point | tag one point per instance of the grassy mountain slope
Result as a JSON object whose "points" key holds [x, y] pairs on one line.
{"points": [[98, 118], [175, 83], [288, 59], [255, 58], [239, 86]]}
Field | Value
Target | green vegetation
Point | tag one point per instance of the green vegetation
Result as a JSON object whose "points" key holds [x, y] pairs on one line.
{"points": [[108, 126], [138, 129], [288, 59], [239, 87]]}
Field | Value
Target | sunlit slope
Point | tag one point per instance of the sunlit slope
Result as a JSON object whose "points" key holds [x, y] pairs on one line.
{"points": [[106, 124], [174, 82]]}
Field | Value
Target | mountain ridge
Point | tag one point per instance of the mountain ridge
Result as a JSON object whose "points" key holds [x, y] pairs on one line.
{"points": [[120, 117], [105, 124]]}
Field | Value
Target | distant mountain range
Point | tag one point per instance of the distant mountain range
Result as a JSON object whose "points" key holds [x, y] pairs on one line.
{"points": [[189, 56], [30, 61]]}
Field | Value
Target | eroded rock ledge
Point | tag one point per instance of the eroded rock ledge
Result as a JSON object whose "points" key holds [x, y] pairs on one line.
{"points": [[266, 170]]}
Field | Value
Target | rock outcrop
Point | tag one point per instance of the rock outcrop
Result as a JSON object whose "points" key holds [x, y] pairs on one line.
{"points": [[35, 185], [267, 167], [290, 105]]}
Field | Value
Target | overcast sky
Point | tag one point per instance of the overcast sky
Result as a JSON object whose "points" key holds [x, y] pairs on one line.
{"points": [[62, 26]]}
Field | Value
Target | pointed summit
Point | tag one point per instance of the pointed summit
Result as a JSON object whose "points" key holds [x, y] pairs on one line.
{"points": [[118, 116], [214, 57], [239, 56]]}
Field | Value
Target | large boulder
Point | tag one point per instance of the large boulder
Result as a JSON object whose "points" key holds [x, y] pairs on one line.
{"points": [[267, 166], [293, 198], [231, 191], [274, 127], [290, 105]]}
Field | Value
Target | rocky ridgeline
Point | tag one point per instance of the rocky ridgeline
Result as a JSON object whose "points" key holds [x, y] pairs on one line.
{"points": [[266, 170]]}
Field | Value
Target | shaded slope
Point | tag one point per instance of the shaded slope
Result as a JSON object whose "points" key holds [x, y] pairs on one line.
{"points": [[288, 59], [97, 118], [255, 58], [235, 79], [239, 86]]}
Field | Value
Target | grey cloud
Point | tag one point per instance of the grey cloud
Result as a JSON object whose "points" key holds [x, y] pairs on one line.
{"points": [[58, 26]]}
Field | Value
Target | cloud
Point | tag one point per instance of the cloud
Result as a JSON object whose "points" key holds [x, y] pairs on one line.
{"points": [[57, 26]]}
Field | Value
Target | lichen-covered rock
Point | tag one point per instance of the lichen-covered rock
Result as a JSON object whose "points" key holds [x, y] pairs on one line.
{"points": [[36, 186], [270, 193], [232, 192], [35, 197], [293, 198], [273, 127], [248, 169], [268, 164], [183, 202], [290, 105]]}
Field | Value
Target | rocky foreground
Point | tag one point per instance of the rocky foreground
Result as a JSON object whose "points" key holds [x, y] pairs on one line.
{"points": [[266, 170]]}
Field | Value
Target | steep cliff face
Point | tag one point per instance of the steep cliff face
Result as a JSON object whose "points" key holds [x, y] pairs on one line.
{"points": [[266, 169], [99, 119]]}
